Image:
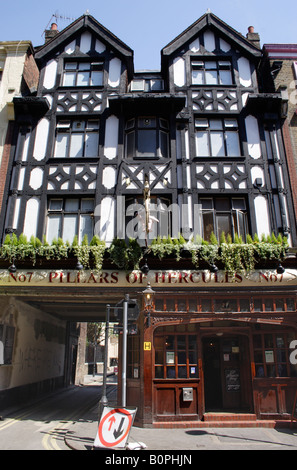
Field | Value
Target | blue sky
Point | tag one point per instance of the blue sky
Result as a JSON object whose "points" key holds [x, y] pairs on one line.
{"points": [[146, 27]]}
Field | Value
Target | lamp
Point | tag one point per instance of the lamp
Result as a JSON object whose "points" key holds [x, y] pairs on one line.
{"points": [[148, 295], [79, 266], [145, 268], [280, 269], [12, 268]]}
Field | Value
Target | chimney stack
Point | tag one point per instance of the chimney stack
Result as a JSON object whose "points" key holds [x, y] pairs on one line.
{"points": [[253, 37], [51, 33]]}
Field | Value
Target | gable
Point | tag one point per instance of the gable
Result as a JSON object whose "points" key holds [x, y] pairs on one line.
{"points": [[207, 35], [85, 36]]}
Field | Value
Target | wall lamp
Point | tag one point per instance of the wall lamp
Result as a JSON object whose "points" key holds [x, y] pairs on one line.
{"points": [[280, 269], [12, 268], [148, 296]]}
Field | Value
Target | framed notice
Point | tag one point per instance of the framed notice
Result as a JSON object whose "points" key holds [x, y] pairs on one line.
{"points": [[169, 357], [269, 357]]}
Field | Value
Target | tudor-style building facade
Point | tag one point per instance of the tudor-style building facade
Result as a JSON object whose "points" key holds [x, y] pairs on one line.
{"points": [[198, 147]]}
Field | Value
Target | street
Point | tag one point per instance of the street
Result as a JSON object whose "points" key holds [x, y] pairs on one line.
{"points": [[42, 425]]}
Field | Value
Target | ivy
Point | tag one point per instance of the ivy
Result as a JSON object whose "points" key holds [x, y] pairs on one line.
{"points": [[233, 256]]}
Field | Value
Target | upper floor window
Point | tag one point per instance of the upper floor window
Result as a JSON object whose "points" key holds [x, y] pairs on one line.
{"points": [[76, 139], [153, 84], [217, 137], [211, 72], [83, 74], [70, 217], [223, 215], [147, 137]]}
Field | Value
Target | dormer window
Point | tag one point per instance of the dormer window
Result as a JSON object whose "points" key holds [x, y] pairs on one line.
{"points": [[211, 72], [83, 74]]}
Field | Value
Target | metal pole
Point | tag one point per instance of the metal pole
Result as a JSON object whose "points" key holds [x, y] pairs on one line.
{"points": [[104, 401], [124, 360]]}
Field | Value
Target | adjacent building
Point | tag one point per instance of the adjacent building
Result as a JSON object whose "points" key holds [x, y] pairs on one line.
{"points": [[179, 178]]}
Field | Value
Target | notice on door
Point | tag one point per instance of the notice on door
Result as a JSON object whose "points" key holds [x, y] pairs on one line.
{"points": [[232, 380], [114, 427]]}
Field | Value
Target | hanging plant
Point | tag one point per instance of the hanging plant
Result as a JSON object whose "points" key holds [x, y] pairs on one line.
{"points": [[125, 256]]}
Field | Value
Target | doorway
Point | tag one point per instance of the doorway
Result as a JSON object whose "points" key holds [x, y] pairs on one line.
{"points": [[227, 378]]}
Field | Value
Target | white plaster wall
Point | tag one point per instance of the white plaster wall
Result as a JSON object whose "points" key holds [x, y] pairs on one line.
{"points": [[39, 345], [106, 225], [179, 71], [41, 139], [111, 137], [50, 74], [253, 137], [262, 216], [31, 217], [114, 75]]}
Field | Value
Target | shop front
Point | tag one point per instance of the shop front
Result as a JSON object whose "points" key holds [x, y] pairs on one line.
{"points": [[209, 355]]}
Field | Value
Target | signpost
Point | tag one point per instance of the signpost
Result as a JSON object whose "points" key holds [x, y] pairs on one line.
{"points": [[114, 427]]}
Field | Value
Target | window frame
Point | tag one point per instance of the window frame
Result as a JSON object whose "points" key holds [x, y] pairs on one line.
{"points": [[61, 214], [142, 125], [203, 65], [168, 360], [135, 213], [217, 137], [95, 66], [69, 131], [233, 214]]}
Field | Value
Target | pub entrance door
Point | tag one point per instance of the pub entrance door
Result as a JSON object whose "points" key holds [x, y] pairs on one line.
{"points": [[227, 380]]}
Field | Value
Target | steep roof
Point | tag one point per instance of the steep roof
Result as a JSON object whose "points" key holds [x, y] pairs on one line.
{"points": [[210, 21], [86, 23]]}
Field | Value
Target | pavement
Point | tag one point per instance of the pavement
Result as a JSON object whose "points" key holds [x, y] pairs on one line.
{"points": [[82, 433]]}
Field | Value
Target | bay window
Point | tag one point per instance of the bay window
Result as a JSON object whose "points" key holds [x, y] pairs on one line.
{"points": [[147, 137]]}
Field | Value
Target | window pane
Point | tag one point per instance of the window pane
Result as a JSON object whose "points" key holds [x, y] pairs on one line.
{"points": [[87, 205], [53, 228], [70, 227], [211, 77], [130, 148], [69, 79], [197, 77], [86, 227], [76, 147], [97, 78], [232, 143], [164, 144], [83, 78], [217, 144], [224, 225], [225, 77], [202, 144], [146, 142], [62, 143], [208, 225], [71, 205], [56, 204], [92, 141]]}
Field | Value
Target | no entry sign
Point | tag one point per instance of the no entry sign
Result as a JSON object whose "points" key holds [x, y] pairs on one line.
{"points": [[114, 427]]}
